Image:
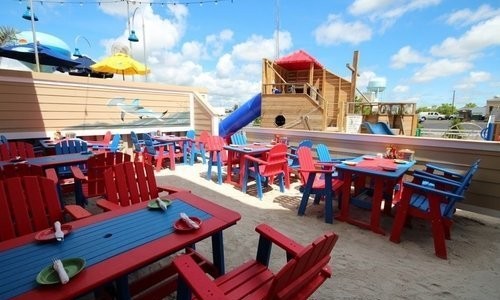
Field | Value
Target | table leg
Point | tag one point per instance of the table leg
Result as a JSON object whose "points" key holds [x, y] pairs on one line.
{"points": [[122, 288], [230, 158], [378, 192], [328, 198], [171, 155], [346, 196], [218, 251]]}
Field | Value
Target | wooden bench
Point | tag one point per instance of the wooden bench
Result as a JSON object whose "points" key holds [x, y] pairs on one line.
{"points": [[306, 269]]}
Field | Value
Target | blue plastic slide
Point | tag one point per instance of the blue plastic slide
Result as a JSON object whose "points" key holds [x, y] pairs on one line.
{"points": [[378, 128], [241, 117]]}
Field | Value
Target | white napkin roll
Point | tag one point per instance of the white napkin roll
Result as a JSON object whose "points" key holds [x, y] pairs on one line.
{"points": [[59, 234], [63, 276], [189, 222], [161, 204]]}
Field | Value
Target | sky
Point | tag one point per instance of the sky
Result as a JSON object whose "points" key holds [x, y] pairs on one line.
{"points": [[426, 50]]}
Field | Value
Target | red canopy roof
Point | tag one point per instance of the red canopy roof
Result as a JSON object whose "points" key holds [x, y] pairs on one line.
{"points": [[298, 60]]}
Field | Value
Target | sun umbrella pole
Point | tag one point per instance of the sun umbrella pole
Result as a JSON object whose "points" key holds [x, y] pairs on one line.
{"points": [[35, 44]]}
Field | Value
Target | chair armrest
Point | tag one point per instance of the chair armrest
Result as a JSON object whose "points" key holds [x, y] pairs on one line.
{"points": [[422, 173], [196, 279], [77, 173], [435, 180], [447, 172], [323, 171], [52, 174], [427, 189], [107, 205], [171, 189], [255, 159], [76, 211], [279, 239]]}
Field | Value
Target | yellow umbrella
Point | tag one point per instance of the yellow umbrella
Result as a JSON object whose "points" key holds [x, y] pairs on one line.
{"points": [[120, 63]]}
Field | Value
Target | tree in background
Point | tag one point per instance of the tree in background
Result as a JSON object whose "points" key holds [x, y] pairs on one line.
{"points": [[7, 34]]}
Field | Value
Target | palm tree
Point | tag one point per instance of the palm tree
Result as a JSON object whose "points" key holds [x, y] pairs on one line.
{"points": [[7, 34]]}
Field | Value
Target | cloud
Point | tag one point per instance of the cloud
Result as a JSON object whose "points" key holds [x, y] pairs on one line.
{"points": [[466, 16], [361, 7], [388, 11], [335, 31], [441, 68], [405, 56], [473, 79], [401, 89], [476, 39]]}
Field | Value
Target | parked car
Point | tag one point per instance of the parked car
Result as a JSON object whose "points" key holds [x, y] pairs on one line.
{"points": [[430, 115]]}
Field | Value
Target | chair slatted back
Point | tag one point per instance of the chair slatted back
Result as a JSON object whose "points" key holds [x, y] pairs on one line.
{"points": [[323, 153], [306, 162], [18, 170], [239, 138], [107, 137], [276, 161], [13, 149], [70, 146], [114, 146], [96, 165], [130, 182], [27, 204], [303, 268]]}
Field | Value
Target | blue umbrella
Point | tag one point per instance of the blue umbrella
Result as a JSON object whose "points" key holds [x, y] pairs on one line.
{"points": [[46, 55], [83, 68]]}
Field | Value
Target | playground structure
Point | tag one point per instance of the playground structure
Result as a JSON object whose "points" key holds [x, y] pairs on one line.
{"points": [[299, 93]]}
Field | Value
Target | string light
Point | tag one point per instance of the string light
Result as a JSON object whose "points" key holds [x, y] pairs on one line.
{"points": [[151, 3]]}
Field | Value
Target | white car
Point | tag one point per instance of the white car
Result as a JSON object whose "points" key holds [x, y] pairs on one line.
{"points": [[430, 115]]}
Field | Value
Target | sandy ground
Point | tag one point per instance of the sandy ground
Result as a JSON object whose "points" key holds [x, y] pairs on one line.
{"points": [[365, 265]]}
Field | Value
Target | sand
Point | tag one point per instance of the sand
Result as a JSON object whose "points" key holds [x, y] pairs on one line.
{"points": [[366, 265]]}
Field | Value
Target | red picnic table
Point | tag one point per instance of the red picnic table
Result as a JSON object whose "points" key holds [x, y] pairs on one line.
{"points": [[113, 244], [387, 176], [238, 152]]}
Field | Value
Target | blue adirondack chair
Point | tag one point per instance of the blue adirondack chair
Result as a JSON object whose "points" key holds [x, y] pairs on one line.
{"points": [[70, 146], [3, 139], [155, 154], [137, 146], [436, 204], [194, 148], [440, 172], [239, 138], [324, 155]]}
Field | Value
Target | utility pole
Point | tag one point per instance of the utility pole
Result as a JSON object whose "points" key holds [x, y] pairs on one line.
{"points": [[453, 103]]}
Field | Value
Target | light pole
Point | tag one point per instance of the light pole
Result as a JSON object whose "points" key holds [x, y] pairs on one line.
{"points": [[133, 38], [30, 15], [77, 51]]}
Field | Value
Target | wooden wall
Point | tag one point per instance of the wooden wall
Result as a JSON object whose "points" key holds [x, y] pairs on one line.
{"points": [[34, 105]]}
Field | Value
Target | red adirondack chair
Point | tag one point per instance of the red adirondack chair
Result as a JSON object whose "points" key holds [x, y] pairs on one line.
{"points": [[31, 203], [307, 268], [312, 175], [131, 182], [18, 170], [92, 185], [217, 155], [264, 170], [14, 149]]}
